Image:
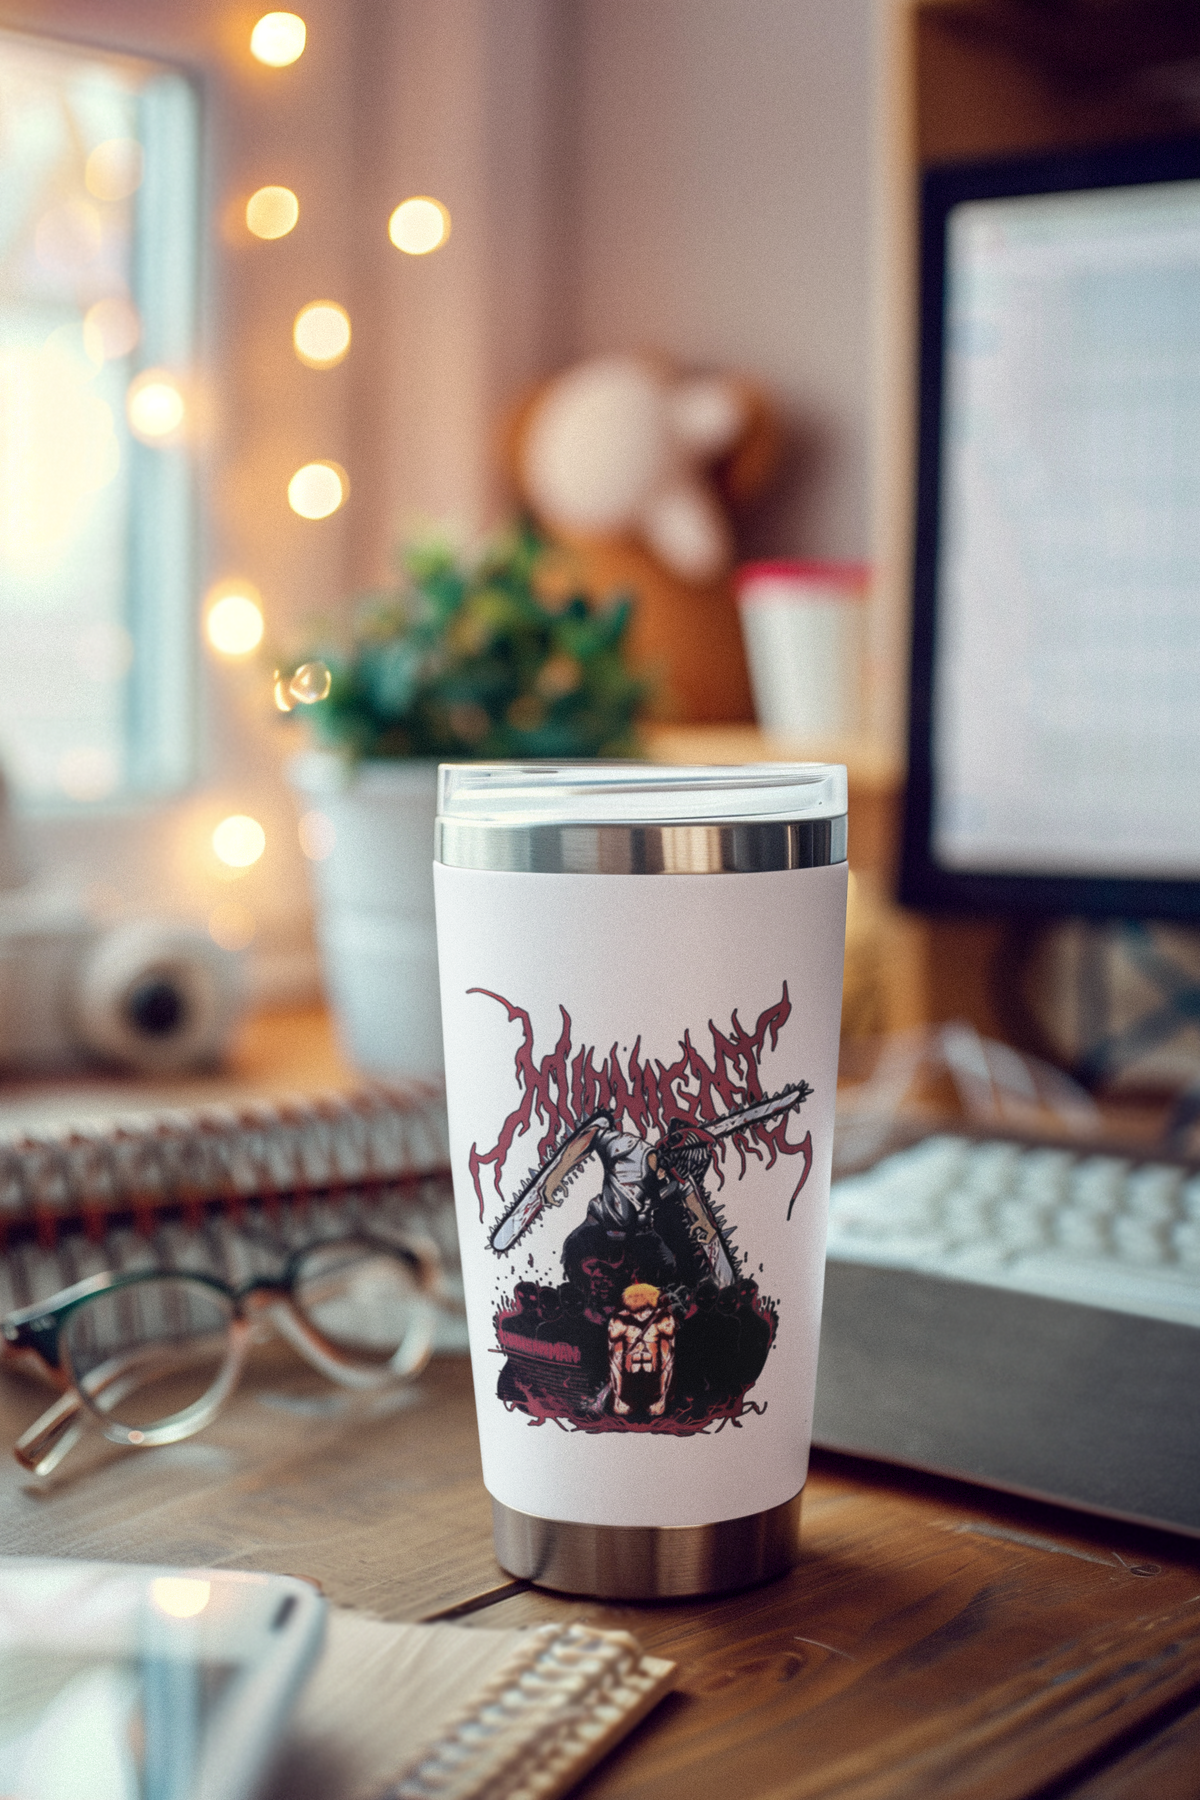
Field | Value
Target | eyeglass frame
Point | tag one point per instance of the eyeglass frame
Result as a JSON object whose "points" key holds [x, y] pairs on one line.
{"points": [[32, 1337]]}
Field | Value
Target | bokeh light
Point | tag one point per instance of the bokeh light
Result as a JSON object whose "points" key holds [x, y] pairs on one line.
{"points": [[232, 926], [318, 835], [239, 841], [419, 225], [111, 329], [272, 212], [154, 406], [233, 622], [311, 682], [318, 489], [321, 334], [278, 39], [114, 169], [180, 1596]]}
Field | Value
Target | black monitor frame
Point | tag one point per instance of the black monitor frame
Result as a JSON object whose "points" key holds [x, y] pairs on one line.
{"points": [[925, 883]]}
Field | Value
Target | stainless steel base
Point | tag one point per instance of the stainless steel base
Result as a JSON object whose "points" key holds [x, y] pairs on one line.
{"points": [[648, 1562]]}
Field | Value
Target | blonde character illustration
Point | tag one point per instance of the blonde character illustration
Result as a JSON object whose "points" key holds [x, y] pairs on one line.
{"points": [[641, 1351]]}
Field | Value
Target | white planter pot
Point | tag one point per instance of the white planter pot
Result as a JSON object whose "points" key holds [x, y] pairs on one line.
{"points": [[374, 903]]}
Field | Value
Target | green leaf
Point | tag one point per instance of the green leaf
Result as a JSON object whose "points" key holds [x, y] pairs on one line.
{"points": [[448, 663]]}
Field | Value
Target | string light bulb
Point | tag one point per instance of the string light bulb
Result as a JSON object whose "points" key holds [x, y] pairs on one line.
{"points": [[318, 489], [321, 334], [233, 622], [419, 225], [271, 212], [311, 683], [154, 406], [278, 39], [239, 841]]}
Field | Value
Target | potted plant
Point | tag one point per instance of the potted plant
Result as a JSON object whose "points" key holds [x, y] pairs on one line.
{"points": [[489, 658]]}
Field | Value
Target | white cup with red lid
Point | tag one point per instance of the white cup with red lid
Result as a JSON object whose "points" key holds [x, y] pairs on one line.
{"points": [[804, 627]]}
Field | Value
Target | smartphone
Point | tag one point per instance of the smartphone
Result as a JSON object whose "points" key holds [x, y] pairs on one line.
{"points": [[126, 1683]]}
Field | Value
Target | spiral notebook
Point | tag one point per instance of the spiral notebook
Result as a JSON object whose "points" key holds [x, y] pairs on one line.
{"points": [[414, 1712], [393, 1712], [223, 1189]]}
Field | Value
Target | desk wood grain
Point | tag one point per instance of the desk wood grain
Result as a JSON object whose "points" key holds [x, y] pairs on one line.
{"points": [[387, 1510], [934, 1641], [1165, 1765]]}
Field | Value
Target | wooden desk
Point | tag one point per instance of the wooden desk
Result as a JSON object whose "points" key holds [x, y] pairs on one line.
{"points": [[935, 1640]]}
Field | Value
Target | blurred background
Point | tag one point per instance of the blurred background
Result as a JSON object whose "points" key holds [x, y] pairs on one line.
{"points": [[279, 291], [685, 178]]}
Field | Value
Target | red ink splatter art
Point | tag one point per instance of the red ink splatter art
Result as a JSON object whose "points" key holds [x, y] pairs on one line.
{"points": [[643, 1094]]}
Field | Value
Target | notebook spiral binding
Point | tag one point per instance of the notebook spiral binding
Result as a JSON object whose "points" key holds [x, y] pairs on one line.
{"points": [[220, 1155], [542, 1721], [230, 1190]]}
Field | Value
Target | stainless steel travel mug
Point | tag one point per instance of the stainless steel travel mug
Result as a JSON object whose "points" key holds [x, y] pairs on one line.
{"points": [[641, 974]]}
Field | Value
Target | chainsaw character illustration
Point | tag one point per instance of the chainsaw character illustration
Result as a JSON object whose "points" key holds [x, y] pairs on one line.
{"points": [[641, 1348], [656, 1325], [660, 1184]]}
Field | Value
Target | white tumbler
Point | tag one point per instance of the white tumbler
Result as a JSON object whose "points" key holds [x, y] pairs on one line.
{"points": [[641, 974]]}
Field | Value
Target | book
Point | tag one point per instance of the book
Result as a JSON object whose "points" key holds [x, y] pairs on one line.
{"points": [[409, 1712]]}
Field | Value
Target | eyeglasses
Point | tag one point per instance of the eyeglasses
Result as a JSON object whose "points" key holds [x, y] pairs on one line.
{"points": [[152, 1355]]}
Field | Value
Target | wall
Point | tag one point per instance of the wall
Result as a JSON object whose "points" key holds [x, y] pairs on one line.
{"points": [[722, 212], [457, 98], [687, 174], [465, 100], [690, 175]]}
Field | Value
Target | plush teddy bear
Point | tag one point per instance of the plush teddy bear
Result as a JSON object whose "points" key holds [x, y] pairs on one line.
{"points": [[632, 466]]}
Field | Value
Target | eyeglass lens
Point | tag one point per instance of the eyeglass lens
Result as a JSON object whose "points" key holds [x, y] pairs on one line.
{"points": [[360, 1298], [148, 1351]]}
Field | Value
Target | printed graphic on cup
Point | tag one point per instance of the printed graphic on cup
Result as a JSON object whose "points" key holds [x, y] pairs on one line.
{"points": [[650, 1322]]}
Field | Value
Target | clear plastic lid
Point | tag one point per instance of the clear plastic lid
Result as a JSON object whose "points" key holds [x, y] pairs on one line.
{"points": [[628, 793]]}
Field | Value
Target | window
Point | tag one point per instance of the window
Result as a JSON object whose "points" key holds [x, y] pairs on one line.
{"points": [[98, 234]]}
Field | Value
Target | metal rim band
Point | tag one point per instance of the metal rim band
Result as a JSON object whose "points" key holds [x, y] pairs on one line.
{"points": [[751, 847], [648, 1562]]}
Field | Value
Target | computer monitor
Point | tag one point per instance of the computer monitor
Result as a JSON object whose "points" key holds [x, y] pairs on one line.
{"points": [[1055, 692]]}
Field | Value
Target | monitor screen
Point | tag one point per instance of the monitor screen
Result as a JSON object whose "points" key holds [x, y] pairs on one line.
{"points": [[1055, 714]]}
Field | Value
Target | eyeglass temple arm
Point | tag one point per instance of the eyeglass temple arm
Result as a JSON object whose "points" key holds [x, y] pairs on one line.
{"points": [[48, 1439], [43, 1446]]}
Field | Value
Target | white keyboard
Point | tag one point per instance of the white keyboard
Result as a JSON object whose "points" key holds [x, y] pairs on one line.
{"points": [[1095, 1229]]}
